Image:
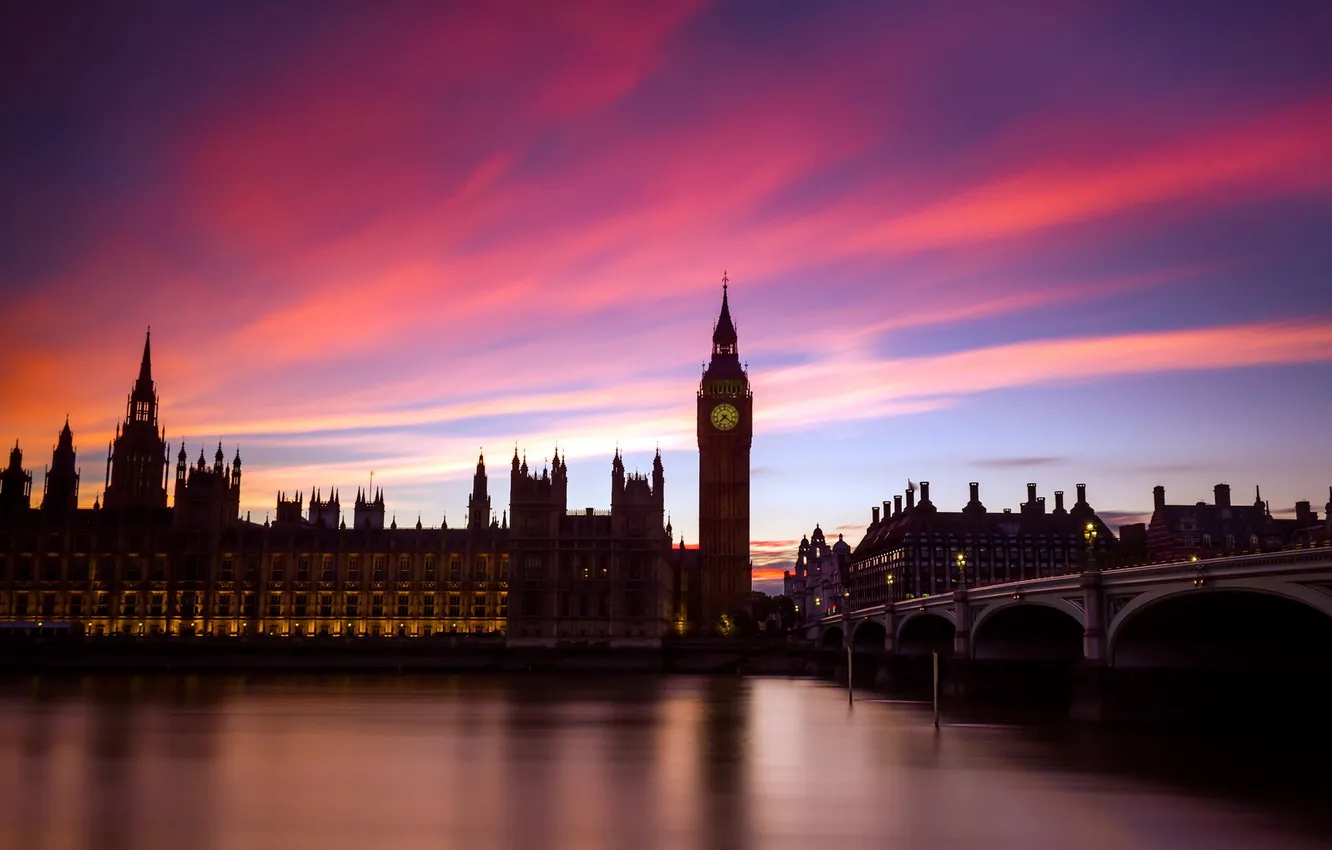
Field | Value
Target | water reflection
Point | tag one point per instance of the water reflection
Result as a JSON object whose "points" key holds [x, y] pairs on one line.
{"points": [[596, 764]]}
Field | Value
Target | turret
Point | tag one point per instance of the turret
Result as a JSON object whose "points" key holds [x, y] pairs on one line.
{"points": [[62, 480], [478, 503], [15, 483], [136, 466]]}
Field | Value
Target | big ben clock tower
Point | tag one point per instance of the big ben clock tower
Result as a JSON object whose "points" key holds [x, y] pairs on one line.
{"points": [[725, 433]]}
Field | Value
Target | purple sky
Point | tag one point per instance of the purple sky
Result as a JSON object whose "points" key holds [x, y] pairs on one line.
{"points": [[1003, 242]]}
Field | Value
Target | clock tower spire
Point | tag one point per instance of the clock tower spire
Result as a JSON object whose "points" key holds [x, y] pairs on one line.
{"points": [[725, 433]]}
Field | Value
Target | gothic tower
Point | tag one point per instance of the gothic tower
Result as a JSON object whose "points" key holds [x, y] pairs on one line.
{"points": [[725, 433], [62, 479], [478, 504], [136, 464], [15, 483]]}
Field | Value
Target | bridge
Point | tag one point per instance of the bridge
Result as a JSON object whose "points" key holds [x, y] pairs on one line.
{"points": [[1260, 613]]}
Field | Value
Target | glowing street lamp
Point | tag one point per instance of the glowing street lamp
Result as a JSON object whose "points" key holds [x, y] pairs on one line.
{"points": [[1089, 534]]}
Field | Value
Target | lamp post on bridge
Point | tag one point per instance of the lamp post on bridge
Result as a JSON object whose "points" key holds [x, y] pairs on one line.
{"points": [[1093, 636]]}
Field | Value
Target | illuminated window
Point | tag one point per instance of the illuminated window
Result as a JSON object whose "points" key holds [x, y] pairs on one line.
{"points": [[404, 603], [155, 605], [479, 568], [479, 606], [326, 570], [301, 603], [377, 605], [354, 569], [428, 605], [380, 567], [455, 604], [353, 605], [326, 605]]}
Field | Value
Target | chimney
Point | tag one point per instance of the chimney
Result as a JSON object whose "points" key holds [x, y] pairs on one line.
{"points": [[1304, 513], [1031, 494], [975, 491], [1082, 494], [924, 492], [874, 512], [1059, 501], [1158, 497], [897, 505], [911, 499], [1040, 504], [1222, 495]]}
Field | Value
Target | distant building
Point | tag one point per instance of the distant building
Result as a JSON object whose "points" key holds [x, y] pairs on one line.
{"points": [[1203, 530], [919, 550], [134, 565], [588, 575], [815, 586]]}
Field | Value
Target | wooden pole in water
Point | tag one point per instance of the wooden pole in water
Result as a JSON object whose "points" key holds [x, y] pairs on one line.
{"points": [[936, 688], [849, 656]]}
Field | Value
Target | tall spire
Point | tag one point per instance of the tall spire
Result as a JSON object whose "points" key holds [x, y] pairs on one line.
{"points": [[146, 367], [724, 339]]}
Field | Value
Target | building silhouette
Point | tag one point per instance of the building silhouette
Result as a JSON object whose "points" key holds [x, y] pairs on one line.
{"points": [[134, 565]]}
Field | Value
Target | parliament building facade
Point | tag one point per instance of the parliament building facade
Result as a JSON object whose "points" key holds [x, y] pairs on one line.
{"points": [[135, 564]]}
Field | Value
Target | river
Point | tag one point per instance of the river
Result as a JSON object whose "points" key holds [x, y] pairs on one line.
{"points": [[585, 763]]}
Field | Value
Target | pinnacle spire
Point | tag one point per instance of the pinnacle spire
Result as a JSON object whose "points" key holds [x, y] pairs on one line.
{"points": [[146, 367], [723, 335]]}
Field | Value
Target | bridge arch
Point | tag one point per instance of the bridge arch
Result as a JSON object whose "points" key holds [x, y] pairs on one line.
{"points": [[1029, 630], [1231, 624], [923, 632], [869, 636], [832, 638]]}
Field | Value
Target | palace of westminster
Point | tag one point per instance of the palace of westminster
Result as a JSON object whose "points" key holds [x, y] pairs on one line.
{"points": [[136, 564]]}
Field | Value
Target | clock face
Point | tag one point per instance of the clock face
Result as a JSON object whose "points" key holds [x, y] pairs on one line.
{"points": [[725, 417]]}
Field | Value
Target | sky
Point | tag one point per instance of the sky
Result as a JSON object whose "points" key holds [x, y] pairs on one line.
{"points": [[1053, 242]]}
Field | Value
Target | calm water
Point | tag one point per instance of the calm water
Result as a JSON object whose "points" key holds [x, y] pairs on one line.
{"points": [[583, 764]]}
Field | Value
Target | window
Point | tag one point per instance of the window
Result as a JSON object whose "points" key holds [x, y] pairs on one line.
{"points": [[326, 605], [156, 603], [428, 605], [252, 568], [504, 567], [455, 568], [129, 605], [455, 605], [279, 571], [303, 568], [251, 609], [404, 568], [227, 571], [429, 567], [380, 567], [224, 605], [479, 568], [353, 605], [20, 604], [504, 605], [533, 567], [377, 605], [187, 604], [275, 604], [404, 602], [76, 605], [326, 571], [301, 605], [103, 605], [159, 568], [354, 569], [478, 605]]}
